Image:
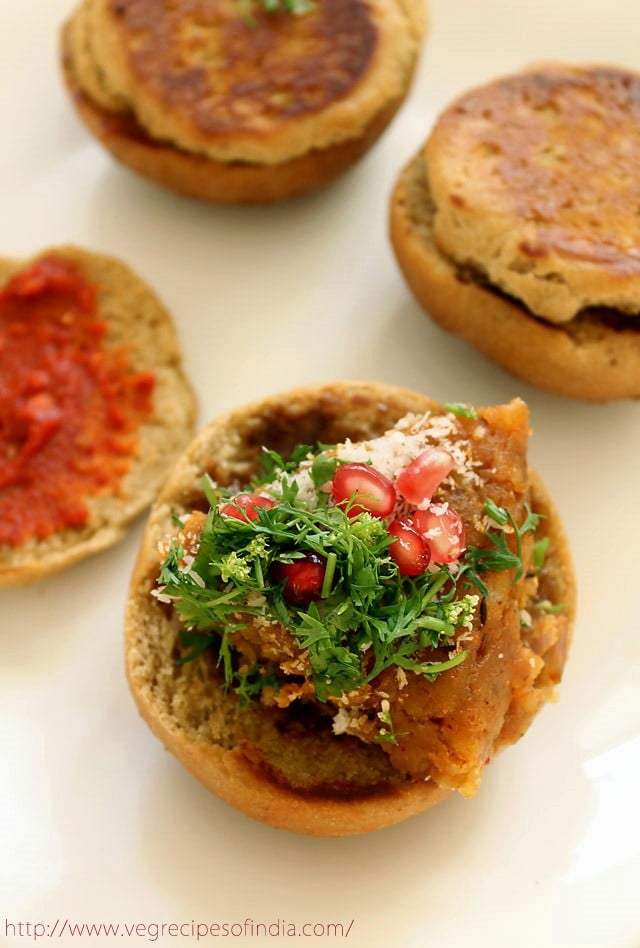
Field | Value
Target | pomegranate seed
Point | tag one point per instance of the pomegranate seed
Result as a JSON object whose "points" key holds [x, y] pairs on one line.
{"points": [[443, 531], [409, 549], [421, 477], [246, 506], [302, 580], [375, 494]]}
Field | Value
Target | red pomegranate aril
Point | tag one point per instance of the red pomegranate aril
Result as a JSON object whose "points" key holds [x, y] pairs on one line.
{"points": [[408, 549], [373, 492], [246, 506], [421, 478], [443, 531], [301, 580]]}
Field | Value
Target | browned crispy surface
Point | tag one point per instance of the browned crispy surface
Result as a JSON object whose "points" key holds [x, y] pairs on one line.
{"points": [[535, 180], [595, 356], [234, 182], [175, 97], [227, 72]]}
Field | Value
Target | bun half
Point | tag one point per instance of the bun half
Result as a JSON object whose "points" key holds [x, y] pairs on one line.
{"points": [[137, 321], [266, 110], [288, 770], [595, 356]]}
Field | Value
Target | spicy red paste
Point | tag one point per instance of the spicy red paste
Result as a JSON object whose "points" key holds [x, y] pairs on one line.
{"points": [[70, 407]]}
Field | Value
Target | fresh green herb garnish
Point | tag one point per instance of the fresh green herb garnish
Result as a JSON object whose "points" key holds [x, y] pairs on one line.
{"points": [[197, 642], [367, 618], [463, 411], [387, 733], [323, 469], [249, 683], [499, 556], [499, 515], [297, 7], [544, 605], [540, 550], [272, 465]]}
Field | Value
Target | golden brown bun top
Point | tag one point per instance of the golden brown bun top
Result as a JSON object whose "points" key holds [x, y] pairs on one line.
{"points": [[595, 356], [266, 70], [535, 178], [212, 78]]}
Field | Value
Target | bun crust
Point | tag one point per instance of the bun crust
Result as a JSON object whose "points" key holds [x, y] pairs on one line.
{"points": [[329, 83], [595, 356], [138, 320], [533, 177], [280, 771]]}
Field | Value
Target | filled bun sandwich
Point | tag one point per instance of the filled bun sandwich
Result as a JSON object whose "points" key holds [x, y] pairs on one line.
{"points": [[348, 598], [517, 226], [240, 101]]}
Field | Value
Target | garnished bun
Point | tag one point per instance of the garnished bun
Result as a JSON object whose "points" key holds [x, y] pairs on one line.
{"points": [[516, 227], [227, 101], [97, 407], [319, 749]]}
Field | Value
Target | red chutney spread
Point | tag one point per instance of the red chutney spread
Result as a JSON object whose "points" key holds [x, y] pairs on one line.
{"points": [[70, 407]]}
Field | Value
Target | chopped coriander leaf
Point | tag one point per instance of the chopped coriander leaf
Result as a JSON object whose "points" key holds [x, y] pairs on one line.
{"points": [[210, 491], [545, 605], [249, 683], [540, 549], [298, 7], [323, 469], [432, 669], [197, 642], [329, 572], [387, 731], [272, 465], [248, 8], [498, 556], [498, 514], [463, 411]]}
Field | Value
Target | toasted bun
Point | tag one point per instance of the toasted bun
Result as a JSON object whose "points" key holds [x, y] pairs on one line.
{"points": [[271, 766], [138, 321], [267, 109], [534, 181], [595, 356]]}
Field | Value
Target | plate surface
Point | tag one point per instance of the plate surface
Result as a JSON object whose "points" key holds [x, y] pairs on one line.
{"points": [[98, 824]]}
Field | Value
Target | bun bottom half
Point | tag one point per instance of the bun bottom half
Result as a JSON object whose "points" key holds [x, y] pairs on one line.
{"points": [[595, 357], [136, 321], [286, 769], [200, 177]]}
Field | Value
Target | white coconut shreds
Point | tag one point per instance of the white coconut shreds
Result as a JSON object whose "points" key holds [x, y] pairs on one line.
{"points": [[307, 491], [341, 721], [391, 452]]}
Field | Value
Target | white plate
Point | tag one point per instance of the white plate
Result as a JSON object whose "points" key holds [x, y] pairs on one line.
{"points": [[98, 824]]}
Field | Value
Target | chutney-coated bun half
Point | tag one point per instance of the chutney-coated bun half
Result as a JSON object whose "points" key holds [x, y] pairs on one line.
{"points": [[136, 339], [285, 763], [238, 104], [515, 227]]}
